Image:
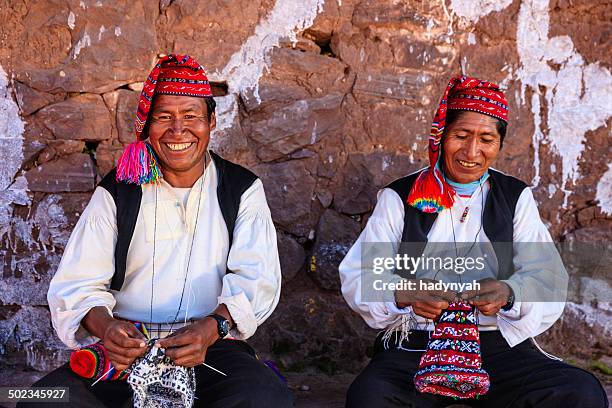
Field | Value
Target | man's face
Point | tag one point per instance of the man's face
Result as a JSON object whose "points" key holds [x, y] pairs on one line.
{"points": [[471, 144], [179, 131]]}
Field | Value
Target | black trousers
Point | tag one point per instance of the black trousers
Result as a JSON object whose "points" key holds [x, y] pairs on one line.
{"points": [[520, 376], [249, 383]]}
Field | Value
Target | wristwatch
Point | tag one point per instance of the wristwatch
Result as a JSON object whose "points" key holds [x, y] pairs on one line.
{"points": [[510, 301], [223, 325]]}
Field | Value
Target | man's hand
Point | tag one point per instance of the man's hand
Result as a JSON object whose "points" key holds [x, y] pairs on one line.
{"points": [[492, 296], [187, 346], [123, 343], [122, 339], [426, 303]]}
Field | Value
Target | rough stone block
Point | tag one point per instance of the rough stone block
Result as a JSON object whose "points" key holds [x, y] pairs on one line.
{"points": [[30, 100], [298, 125], [364, 174], [402, 86], [336, 234], [84, 117], [290, 187], [291, 254], [88, 48], [73, 173]]}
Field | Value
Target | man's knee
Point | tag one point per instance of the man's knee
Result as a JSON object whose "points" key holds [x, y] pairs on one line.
{"points": [[371, 389], [267, 394], [51, 379], [367, 391], [585, 390], [564, 386]]}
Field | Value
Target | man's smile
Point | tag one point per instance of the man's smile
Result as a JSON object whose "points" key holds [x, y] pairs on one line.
{"points": [[467, 164], [179, 147]]}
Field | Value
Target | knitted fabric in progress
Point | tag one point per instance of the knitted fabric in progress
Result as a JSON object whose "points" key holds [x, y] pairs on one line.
{"points": [[159, 383], [452, 364]]}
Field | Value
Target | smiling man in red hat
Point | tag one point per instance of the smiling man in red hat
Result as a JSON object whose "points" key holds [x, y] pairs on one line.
{"points": [[475, 344], [172, 265]]}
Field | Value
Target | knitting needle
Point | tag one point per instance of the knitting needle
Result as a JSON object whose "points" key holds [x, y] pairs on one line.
{"points": [[214, 369], [102, 376]]}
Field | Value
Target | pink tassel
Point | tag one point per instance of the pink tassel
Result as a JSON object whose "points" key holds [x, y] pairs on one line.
{"points": [[138, 164]]}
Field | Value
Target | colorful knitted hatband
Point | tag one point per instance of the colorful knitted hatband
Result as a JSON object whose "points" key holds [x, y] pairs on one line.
{"points": [[451, 366], [172, 75], [92, 361], [430, 193]]}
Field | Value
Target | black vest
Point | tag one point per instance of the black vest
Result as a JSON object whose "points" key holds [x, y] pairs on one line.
{"points": [[498, 217], [233, 180]]}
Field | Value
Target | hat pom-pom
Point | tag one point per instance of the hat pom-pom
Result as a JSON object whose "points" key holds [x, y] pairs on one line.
{"points": [[138, 164], [430, 193]]}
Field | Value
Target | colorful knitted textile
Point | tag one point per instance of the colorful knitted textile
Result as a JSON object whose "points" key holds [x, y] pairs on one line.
{"points": [[92, 361], [451, 366], [172, 75], [430, 192], [159, 383]]}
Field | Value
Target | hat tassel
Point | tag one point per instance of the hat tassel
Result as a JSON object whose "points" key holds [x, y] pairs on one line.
{"points": [[138, 164], [430, 193]]}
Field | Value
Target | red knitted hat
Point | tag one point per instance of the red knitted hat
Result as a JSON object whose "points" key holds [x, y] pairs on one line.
{"points": [[484, 98]]}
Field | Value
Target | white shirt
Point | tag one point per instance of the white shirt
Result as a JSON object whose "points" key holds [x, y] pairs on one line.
{"points": [[250, 293], [524, 320]]}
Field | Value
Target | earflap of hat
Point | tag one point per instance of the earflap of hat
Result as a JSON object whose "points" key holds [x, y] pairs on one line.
{"points": [[430, 193]]}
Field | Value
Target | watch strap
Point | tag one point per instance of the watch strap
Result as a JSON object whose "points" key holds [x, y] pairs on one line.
{"points": [[220, 320], [510, 302]]}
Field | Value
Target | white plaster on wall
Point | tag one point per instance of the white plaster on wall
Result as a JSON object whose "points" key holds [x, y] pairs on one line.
{"points": [[598, 317], [246, 66], [85, 41], [100, 32], [604, 191], [71, 20], [473, 10], [578, 95], [11, 150], [471, 39]]}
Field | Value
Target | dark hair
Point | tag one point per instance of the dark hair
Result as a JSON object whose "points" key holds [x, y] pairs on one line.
{"points": [[453, 114], [210, 106]]}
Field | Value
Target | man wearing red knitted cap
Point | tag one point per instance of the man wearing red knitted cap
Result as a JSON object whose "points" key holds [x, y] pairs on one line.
{"points": [[172, 265], [455, 333]]}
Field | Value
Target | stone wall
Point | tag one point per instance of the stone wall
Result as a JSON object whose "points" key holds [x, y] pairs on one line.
{"points": [[327, 101]]}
